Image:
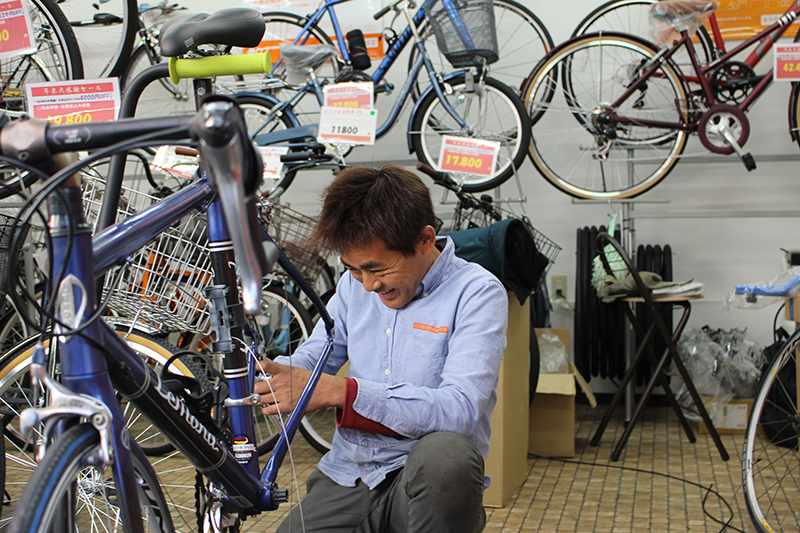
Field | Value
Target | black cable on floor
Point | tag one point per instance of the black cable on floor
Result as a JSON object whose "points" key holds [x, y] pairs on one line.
{"points": [[709, 489]]}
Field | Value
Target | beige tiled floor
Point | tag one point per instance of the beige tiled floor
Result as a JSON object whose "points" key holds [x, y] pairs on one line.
{"points": [[661, 483]]}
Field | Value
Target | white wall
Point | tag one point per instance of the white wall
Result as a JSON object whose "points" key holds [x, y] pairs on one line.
{"points": [[725, 225]]}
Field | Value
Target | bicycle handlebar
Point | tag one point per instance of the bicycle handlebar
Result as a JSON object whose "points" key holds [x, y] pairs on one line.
{"points": [[212, 66], [439, 177], [466, 200]]}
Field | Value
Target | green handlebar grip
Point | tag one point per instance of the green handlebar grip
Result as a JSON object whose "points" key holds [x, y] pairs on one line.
{"points": [[212, 66]]}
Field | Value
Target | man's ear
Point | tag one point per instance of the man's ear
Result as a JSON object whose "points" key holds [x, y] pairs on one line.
{"points": [[427, 240]]}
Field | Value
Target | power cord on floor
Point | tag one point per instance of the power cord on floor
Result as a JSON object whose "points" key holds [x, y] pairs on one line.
{"points": [[726, 526]]}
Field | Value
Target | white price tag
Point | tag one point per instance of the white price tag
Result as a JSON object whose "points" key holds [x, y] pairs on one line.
{"points": [[74, 102], [468, 156], [348, 126], [271, 158]]}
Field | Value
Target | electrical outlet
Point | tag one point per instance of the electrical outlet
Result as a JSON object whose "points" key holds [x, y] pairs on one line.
{"points": [[560, 285]]}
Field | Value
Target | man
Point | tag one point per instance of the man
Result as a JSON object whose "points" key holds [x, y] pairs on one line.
{"points": [[424, 332]]}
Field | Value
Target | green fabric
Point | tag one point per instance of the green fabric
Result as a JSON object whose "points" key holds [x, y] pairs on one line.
{"points": [[506, 249]]}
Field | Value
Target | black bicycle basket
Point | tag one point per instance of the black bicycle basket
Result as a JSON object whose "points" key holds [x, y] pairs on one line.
{"points": [[465, 32]]}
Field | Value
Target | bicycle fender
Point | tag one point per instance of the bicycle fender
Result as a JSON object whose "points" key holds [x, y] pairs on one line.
{"points": [[445, 79]]}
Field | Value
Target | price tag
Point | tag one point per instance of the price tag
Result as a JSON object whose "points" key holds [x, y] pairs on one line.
{"points": [[355, 95], [74, 102], [172, 164], [16, 30], [468, 156], [271, 158], [787, 62], [347, 125]]}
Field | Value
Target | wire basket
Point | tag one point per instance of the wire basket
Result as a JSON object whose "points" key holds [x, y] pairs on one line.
{"points": [[465, 32], [292, 233], [474, 218], [162, 284], [8, 228]]}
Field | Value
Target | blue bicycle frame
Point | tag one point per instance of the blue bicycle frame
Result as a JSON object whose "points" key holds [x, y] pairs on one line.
{"points": [[91, 371], [381, 70]]}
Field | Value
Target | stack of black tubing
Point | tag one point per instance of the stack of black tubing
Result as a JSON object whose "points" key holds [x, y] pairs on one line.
{"points": [[600, 327]]}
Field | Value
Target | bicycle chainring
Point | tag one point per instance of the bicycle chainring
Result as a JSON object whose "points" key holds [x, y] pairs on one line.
{"points": [[715, 121], [731, 82]]}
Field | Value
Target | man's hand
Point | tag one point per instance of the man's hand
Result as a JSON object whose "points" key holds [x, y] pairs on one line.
{"points": [[280, 393]]}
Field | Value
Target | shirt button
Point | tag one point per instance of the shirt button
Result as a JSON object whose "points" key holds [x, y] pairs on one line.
{"points": [[388, 331], [425, 293], [386, 371]]}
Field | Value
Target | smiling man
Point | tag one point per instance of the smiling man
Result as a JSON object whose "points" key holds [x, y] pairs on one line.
{"points": [[424, 333]]}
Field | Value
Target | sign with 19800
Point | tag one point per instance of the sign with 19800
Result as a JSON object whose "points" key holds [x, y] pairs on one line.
{"points": [[74, 102], [16, 30]]}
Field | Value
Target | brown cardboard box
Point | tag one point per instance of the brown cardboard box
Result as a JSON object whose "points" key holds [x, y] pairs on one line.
{"points": [[506, 463], [729, 418], [551, 419]]}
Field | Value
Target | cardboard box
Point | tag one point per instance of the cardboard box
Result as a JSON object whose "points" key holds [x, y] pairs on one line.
{"points": [[793, 309], [729, 418], [506, 463], [551, 420]]}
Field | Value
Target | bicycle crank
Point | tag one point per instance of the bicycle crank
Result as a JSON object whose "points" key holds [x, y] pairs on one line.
{"points": [[724, 129]]}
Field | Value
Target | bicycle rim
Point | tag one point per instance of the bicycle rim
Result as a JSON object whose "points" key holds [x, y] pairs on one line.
{"points": [[493, 112], [770, 458], [65, 475], [587, 157]]}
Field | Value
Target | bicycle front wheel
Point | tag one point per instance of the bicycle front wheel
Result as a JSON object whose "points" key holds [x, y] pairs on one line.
{"points": [[770, 458], [493, 112], [580, 144], [66, 485], [522, 40]]}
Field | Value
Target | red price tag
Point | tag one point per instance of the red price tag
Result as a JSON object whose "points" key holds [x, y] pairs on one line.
{"points": [[74, 102], [468, 156], [16, 30], [353, 95], [787, 62]]}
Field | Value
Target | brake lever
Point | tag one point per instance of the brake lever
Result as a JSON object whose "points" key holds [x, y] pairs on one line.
{"points": [[224, 151]]}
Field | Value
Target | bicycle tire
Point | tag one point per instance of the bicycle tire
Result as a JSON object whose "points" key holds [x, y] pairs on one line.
{"points": [[56, 46], [65, 471], [495, 112], [522, 40], [794, 106], [770, 469], [632, 17], [105, 48], [588, 159]]}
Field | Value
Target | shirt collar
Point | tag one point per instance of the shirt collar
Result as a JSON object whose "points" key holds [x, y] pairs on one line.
{"points": [[433, 277]]}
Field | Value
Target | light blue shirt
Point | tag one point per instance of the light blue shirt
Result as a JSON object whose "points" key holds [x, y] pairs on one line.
{"points": [[430, 366]]}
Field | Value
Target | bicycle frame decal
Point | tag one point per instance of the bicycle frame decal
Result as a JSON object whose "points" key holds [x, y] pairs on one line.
{"points": [[184, 413]]}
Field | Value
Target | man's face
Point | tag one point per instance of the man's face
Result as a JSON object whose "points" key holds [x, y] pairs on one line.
{"points": [[391, 274]]}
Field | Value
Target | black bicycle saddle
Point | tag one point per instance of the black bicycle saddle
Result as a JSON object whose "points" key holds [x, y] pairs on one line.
{"points": [[237, 26]]}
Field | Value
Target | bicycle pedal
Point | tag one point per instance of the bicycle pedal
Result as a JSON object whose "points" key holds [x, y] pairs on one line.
{"points": [[749, 161]]}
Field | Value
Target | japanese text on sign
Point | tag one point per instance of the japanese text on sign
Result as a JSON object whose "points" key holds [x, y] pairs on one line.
{"points": [[786, 62], [347, 125], [74, 102], [16, 30], [468, 156]]}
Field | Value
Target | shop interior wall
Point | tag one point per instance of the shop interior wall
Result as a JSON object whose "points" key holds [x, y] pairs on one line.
{"points": [[725, 225]]}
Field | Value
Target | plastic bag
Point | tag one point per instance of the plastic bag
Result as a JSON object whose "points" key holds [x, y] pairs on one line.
{"points": [[299, 59], [553, 356], [722, 364], [668, 18], [782, 287]]}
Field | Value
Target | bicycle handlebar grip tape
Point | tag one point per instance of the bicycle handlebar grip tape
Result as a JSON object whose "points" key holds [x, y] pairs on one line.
{"points": [[211, 66]]}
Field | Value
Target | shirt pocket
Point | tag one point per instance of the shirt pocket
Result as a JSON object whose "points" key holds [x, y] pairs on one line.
{"points": [[425, 360]]}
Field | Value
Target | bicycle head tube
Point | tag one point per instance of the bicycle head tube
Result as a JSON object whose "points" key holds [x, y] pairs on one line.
{"points": [[234, 168]]}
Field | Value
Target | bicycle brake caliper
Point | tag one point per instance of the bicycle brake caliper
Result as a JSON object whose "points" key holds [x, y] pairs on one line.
{"points": [[66, 404]]}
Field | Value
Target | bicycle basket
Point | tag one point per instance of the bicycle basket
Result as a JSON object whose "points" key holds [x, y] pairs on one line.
{"points": [[8, 228], [162, 284], [465, 32], [292, 232]]}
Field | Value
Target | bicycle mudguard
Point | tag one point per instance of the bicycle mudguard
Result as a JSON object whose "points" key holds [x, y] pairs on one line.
{"points": [[422, 96]]}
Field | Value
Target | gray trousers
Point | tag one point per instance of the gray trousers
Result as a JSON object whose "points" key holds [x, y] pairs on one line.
{"points": [[439, 490]]}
